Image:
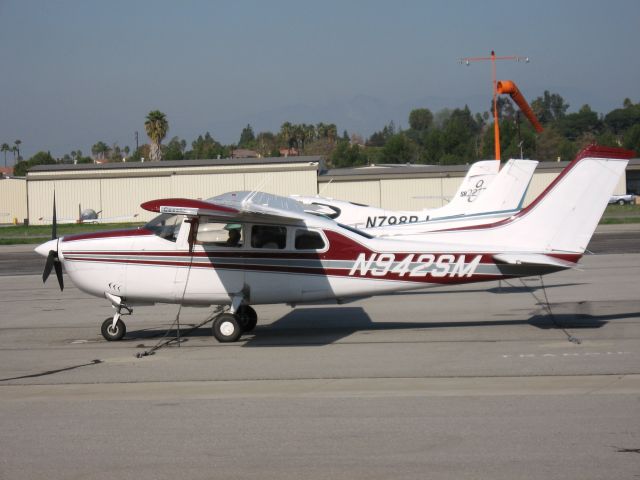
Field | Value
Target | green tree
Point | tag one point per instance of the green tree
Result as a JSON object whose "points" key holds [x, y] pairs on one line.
{"points": [[4, 149], [420, 119], [399, 149], [247, 138], [267, 144], [175, 149], [573, 125], [100, 150], [346, 155], [460, 137], [549, 107], [621, 119], [205, 147], [632, 138], [17, 147], [156, 126], [287, 135], [380, 138], [41, 158]]}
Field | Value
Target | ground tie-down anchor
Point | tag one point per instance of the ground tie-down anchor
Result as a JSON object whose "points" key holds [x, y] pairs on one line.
{"points": [[163, 343]]}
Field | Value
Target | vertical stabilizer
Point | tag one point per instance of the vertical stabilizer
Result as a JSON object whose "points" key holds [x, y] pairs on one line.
{"points": [[564, 216], [508, 189], [473, 187]]}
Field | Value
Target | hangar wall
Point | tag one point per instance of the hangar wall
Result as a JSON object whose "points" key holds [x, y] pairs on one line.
{"points": [[118, 190], [118, 193], [13, 200], [415, 188]]}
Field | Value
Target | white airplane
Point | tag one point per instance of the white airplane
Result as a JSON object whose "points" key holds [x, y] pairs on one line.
{"points": [[481, 198], [244, 249]]}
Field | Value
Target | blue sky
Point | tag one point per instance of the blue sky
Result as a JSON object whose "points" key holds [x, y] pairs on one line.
{"points": [[75, 72]]}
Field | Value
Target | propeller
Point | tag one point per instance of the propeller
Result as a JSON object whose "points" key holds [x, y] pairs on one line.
{"points": [[53, 262]]}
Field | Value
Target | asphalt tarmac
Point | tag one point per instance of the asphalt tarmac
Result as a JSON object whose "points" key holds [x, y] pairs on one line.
{"points": [[473, 381]]}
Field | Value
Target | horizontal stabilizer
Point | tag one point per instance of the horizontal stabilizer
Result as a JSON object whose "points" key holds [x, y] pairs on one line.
{"points": [[537, 259]]}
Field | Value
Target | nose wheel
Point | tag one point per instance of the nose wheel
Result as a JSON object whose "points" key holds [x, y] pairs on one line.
{"points": [[111, 332]]}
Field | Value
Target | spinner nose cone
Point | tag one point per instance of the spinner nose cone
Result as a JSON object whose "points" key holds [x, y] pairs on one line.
{"points": [[46, 247]]}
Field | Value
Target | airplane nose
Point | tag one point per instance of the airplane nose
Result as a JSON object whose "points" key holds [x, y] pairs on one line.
{"points": [[46, 247]]}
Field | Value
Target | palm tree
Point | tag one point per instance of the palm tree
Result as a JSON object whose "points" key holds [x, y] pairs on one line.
{"points": [[157, 127], [17, 143], [332, 132], [5, 148], [286, 132], [100, 150]]}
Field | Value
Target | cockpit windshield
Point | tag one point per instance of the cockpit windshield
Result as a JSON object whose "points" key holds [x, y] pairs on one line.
{"points": [[166, 226]]}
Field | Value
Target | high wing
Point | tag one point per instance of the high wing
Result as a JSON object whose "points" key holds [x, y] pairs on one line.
{"points": [[234, 206]]}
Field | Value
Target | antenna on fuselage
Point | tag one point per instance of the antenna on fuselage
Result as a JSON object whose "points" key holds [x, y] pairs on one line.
{"points": [[258, 188], [325, 187]]}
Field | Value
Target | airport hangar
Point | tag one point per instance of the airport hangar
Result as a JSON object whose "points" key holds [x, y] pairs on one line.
{"points": [[118, 189]]}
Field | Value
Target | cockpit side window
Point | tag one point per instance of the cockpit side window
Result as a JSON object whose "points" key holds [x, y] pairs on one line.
{"points": [[166, 226]]}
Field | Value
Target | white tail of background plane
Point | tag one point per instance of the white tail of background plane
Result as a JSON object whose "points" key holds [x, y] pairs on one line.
{"points": [[475, 184], [508, 189], [564, 216]]}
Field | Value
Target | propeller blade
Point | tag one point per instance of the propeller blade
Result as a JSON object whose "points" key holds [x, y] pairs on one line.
{"points": [[51, 259], [54, 228], [58, 266]]}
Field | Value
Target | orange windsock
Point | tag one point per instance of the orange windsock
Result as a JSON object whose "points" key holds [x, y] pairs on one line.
{"points": [[507, 86]]}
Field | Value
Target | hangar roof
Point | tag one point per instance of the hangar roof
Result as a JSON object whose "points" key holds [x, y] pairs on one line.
{"points": [[378, 172], [219, 162]]}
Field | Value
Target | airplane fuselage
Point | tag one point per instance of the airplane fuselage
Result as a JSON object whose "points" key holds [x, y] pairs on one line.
{"points": [[142, 267]]}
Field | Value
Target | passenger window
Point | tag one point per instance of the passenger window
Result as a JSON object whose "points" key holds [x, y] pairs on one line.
{"points": [[309, 240], [211, 233], [268, 236]]}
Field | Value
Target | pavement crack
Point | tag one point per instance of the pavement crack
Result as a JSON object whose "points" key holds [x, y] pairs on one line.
{"points": [[52, 372]]}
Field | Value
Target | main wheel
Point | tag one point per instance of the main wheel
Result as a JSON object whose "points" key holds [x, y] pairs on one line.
{"points": [[621, 202], [247, 317], [111, 333], [226, 328]]}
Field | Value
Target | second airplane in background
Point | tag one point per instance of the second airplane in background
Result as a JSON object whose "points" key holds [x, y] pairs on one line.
{"points": [[485, 195]]}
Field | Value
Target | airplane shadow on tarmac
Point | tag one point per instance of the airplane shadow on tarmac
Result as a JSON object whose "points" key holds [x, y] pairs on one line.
{"points": [[323, 326], [319, 326]]}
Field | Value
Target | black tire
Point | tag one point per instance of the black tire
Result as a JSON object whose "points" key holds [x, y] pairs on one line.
{"points": [[247, 317], [226, 328], [113, 334], [621, 202]]}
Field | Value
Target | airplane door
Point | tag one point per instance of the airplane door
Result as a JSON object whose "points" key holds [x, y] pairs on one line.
{"points": [[216, 272]]}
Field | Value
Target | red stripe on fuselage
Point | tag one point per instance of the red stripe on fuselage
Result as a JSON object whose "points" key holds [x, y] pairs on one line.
{"points": [[129, 232]]}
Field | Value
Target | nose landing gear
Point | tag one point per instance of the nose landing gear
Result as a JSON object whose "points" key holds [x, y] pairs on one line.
{"points": [[113, 329], [111, 332]]}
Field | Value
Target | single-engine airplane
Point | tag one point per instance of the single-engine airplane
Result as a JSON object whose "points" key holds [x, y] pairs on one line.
{"points": [[487, 200], [89, 215], [251, 248]]}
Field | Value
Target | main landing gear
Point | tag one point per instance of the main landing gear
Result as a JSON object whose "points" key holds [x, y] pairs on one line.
{"points": [[229, 326]]}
